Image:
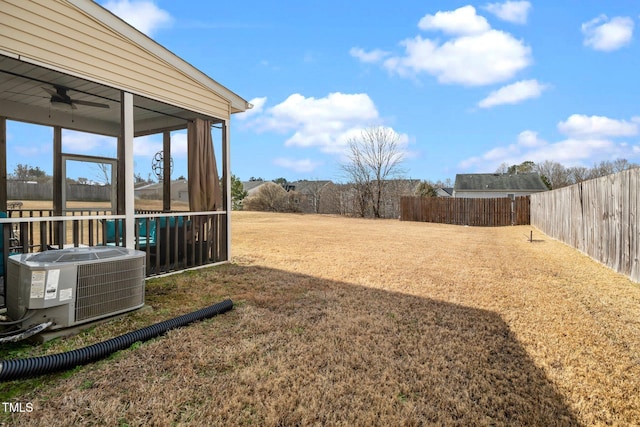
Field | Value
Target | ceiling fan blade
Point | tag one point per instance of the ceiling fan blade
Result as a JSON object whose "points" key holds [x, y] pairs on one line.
{"points": [[89, 103], [25, 94]]}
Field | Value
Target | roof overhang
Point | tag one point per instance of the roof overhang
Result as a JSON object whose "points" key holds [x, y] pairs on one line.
{"points": [[24, 97], [237, 104], [96, 57]]}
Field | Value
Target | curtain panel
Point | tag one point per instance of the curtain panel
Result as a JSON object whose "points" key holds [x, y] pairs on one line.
{"points": [[203, 184]]}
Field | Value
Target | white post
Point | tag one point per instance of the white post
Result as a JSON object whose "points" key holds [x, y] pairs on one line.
{"points": [[129, 199], [228, 203]]}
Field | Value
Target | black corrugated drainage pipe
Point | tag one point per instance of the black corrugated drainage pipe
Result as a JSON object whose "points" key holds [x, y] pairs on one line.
{"points": [[33, 366]]}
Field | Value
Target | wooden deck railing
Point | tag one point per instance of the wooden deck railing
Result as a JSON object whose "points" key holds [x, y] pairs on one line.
{"points": [[172, 241]]}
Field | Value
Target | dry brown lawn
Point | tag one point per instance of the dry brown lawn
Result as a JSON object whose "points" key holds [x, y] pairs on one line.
{"points": [[367, 322]]}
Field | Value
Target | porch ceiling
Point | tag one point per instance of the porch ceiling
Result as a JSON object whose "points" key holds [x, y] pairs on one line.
{"points": [[23, 98]]}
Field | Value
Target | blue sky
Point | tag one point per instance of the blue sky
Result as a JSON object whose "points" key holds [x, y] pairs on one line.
{"points": [[466, 86]]}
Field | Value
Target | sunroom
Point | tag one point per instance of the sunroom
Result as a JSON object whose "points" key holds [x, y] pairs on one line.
{"points": [[71, 65]]}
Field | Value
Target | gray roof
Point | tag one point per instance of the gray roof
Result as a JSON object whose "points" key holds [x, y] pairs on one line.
{"points": [[499, 182], [447, 190], [304, 185], [250, 185]]}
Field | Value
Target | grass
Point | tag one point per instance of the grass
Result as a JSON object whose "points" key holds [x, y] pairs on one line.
{"points": [[358, 322]]}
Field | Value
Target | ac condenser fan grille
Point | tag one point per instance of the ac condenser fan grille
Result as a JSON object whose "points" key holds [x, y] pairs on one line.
{"points": [[109, 287]]}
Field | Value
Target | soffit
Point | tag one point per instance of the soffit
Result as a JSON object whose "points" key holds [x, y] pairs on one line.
{"points": [[24, 97]]}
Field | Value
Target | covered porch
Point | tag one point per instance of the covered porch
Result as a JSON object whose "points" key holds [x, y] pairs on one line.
{"points": [[71, 64]]}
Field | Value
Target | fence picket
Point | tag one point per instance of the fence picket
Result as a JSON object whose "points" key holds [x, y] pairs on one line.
{"points": [[598, 217], [466, 211]]}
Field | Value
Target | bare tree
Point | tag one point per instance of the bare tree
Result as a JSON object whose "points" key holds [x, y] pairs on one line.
{"points": [[313, 192], [360, 178], [104, 172], [578, 174], [554, 172], [503, 168], [620, 165], [603, 168], [525, 167], [373, 157]]}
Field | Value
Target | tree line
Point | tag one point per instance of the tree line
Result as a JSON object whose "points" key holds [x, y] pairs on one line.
{"points": [[555, 175], [25, 172], [373, 171]]}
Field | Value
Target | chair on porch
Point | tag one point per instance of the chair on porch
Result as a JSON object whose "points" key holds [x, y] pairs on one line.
{"points": [[143, 242]]}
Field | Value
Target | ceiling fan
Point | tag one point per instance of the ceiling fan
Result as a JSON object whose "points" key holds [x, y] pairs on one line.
{"points": [[60, 96]]}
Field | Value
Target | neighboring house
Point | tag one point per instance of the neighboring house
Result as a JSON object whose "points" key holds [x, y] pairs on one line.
{"points": [[493, 185], [444, 192], [252, 187], [326, 197], [179, 191], [394, 190], [346, 198], [306, 196], [311, 196]]}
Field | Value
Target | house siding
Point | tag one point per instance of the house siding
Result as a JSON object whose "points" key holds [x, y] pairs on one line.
{"points": [[490, 194], [56, 32]]}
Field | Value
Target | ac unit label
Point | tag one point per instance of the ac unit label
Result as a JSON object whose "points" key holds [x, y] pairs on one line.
{"points": [[37, 284], [53, 276]]}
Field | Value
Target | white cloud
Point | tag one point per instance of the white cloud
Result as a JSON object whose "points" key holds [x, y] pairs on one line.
{"points": [[87, 143], [515, 12], [590, 139], [144, 15], [582, 126], [475, 55], [462, 21], [327, 123], [373, 56], [320, 122], [179, 146], [529, 139], [300, 165], [148, 146], [513, 93], [258, 106], [606, 34], [27, 151], [482, 59], [569, 152]]}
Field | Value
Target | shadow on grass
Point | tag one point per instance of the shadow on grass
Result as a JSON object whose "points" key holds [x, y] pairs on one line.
{"points": [[299, 350]]}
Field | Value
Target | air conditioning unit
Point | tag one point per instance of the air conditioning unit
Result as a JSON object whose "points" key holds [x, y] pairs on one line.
{"points": [[74, 285]]}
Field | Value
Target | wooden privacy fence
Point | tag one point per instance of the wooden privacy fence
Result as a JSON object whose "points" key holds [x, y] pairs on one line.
{"points": [[598, 217], [466, 211]]}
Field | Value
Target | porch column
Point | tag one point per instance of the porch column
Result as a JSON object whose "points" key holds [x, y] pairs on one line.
{"points": [[58, 183], [226, 180], [57, 171], [126, 158], [166, 171], [3, 164], [4, 228]]}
